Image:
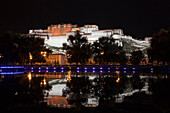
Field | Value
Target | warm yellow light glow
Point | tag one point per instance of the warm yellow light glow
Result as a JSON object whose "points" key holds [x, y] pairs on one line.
{"points": [[118, 72], [30, 57], [69, 72], [44, 81], [68, 78], [117, 53], [166, 76], [44, 53], [118, 80], [102, 53], [29, 76]]}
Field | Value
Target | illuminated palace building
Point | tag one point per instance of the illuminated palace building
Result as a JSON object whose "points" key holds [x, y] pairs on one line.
{"points": [[58, 30], [56, 35]]}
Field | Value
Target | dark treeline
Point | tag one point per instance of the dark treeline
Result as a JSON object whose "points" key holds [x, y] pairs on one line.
{"points": [[106, 51], [23, 49], [102, 51], [21, 92], [18, 48], [160, 47]]}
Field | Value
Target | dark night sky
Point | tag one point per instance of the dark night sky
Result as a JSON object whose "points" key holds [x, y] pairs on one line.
{"points": [[138, 18]]}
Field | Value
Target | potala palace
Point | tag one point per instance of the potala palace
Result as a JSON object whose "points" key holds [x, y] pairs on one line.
{"points": [[56, 35]]}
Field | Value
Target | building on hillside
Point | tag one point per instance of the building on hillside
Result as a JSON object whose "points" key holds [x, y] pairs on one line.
{"points": [[88, 29], [60, 29], [40, 33], [56, 35], [148, 39]]}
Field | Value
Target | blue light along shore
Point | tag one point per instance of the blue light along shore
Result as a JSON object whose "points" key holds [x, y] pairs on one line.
{"points": [[11, 69]]}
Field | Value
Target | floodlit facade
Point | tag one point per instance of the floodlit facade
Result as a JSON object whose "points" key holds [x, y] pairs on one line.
{"points": [[88, 29], [60, 29], [56, 35], [57, 59]]}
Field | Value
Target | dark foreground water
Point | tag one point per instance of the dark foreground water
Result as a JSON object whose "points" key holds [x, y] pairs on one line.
{"points": [[84, 91]]}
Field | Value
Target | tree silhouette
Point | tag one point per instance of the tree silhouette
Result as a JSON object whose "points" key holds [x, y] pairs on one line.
{"points": [[136, 57], [20, 91], [78, 50], [159, 50], [137, 82], [106, 51], [79, 88], [160, 97], [15, 48]]}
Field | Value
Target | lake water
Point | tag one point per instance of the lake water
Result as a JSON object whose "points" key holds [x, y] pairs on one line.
{"points": [[67, 89]]}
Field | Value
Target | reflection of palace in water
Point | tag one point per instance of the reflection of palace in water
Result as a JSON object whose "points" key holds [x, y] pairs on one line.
{"points": [[53, 75], [59, 81], [63, 75], [55, 97]]}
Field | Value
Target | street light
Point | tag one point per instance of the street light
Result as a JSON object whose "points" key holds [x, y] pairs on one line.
{"points": [[44, 53], [118, 80], [43, 82], [29, 76], [102, 53], [69, 77], [1, 56], [30, 58]]}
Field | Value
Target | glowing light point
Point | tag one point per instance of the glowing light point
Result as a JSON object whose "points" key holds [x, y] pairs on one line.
{"points": [[68, 78], [118, 72], [44, 81], [29, 76], [118, 80]]}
